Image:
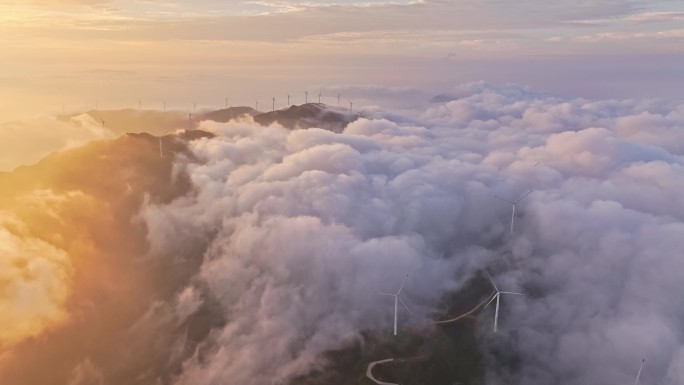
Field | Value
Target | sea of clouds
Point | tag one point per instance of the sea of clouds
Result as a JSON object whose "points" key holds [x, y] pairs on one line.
{"points": [[274, 254], [299, 228]]}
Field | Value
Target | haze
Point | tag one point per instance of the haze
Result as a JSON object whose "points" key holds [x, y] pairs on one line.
{"points": [[72, 54]]}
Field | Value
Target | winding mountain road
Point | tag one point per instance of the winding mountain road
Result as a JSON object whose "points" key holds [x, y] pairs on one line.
{"points": [[369, 372]]}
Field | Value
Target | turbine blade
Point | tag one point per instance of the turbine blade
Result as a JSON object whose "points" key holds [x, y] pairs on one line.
{"points": [[524, 196], [402, 302], [490, 301], [504, 199], [391, 295], [402, 284], [492, 281], [643, 360], [510, 292]]}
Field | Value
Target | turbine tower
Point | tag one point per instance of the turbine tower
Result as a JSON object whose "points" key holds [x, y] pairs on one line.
{"points": [[288, 100], [338, 99], [397, 299], [273, 110], [256, 105], [514, 204], [350, 106], [226, 103], [164, 105], [190, 121], [497, 297], [319, 97], [306, 97], [639, 372]]}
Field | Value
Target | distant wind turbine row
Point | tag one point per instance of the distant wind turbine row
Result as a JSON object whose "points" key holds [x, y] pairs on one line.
{"points": [[227, 105]]}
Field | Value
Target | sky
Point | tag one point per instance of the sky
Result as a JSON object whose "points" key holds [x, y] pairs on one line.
{"points": [[75, 54]]}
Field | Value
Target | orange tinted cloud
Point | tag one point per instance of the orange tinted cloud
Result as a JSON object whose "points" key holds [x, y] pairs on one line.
{"points": [[34, 283]]}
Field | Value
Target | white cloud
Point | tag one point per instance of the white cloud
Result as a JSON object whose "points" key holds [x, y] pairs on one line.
{"points": [[304, 225]]}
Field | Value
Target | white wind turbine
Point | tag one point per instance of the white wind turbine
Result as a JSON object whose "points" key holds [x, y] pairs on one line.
{"points": [[190, 120], [350, 105], [639, 372], [306, 97], [319, 97], [338, 98], [288, 100], [273, 110], [397, 299], [514, 204], [497, 297]]}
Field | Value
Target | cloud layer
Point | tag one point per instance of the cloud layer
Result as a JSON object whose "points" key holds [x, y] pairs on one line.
{"points": [[301, 227], [252, 254], [36, 282]]}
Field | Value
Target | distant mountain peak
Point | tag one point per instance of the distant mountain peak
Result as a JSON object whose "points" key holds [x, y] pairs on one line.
{"points": [[306, 116]]}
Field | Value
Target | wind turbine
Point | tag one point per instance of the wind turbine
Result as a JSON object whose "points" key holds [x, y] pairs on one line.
{"points": [[190, 120], [397, 299], [319, 96], [306, 97], [226, 103], [643, 360], [273, 105], [338, 99], [514, 204], [350, 105], [497, 297], [288, 100], [256, 105], [164, 105], [99, 117]]}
